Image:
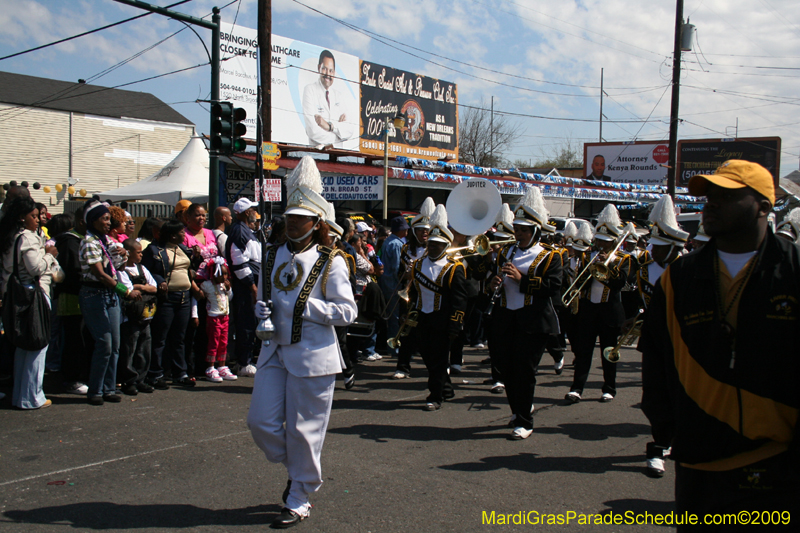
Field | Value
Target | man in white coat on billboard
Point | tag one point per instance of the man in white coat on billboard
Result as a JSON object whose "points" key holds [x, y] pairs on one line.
{"points": [[325, 108]]}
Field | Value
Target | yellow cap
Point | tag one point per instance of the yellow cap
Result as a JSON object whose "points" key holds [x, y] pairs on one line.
{"points": [[736, 174], [182, 205]]}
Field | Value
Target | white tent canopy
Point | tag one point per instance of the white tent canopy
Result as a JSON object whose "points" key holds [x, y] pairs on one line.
{"points": [[184, 178]]}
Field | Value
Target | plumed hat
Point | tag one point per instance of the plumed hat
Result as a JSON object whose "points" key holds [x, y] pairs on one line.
{"points": [[531, 209], [330, 219], [570, 231], [609, 225], [665, 228], [439, 231], [583, 237], [504, 223], [304, 190], [423, 220], [789, 228]]}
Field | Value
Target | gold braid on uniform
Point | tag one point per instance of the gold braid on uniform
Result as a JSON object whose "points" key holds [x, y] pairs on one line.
{"points": [[331, 255]]}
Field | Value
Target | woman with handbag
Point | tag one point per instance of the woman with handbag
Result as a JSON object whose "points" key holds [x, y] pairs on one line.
{"points": [[169, 261], [28, 270], [100, 300]]}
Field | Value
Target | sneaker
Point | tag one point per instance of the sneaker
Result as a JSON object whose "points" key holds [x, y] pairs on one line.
{"points": [[374, 357], [480, 345], [76, 388], [212, 374], [455, 369], [606, 397], [573, 396], [520, 433], [248, 371], [349, 382], [655, 467], [559, 366], [400, 375], [226, 374], [498, 388], [433, 406]]}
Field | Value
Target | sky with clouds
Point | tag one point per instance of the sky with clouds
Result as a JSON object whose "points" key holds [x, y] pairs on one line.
{"points": [[535, 58]]}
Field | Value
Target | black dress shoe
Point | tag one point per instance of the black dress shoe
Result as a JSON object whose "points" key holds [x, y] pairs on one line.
{"points": [[286, 491], [112, 398], [159, 384], [95, 400], [130, 390], [184, 382], [144, 387], [286, 519]]}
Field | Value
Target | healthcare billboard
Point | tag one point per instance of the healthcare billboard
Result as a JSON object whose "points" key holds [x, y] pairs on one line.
{"points": [[703, 156], [430, 105], [638, 162], [315, 95], [238, 71]]}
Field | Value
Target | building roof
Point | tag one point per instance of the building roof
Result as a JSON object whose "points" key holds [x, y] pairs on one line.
{"points": [[30, 91]]}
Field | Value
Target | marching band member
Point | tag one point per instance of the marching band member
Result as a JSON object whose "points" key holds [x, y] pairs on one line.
{"points": [[667, 240], [472, 287], [525, 318], [600, 311], [308, 292], [412, 250], [557, 343], [581, 244], [439, 296], [505, 231]]}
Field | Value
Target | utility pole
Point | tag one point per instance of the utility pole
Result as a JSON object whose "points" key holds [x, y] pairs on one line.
{"points": [[673, 116], [213, 160], [601, 105], [265, 94]]}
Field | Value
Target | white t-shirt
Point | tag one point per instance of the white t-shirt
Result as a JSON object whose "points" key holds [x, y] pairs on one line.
{"points": [[735, 262], [217, 298]]}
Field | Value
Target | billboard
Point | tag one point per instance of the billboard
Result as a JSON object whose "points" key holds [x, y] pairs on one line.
{"points": [[238, 71], [431, 131], [638, 162], [703, 156], [314, 95]]}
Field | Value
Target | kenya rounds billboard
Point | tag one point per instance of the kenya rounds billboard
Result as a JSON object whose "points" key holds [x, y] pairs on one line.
{"points": [[639, 162], [431, 130]]}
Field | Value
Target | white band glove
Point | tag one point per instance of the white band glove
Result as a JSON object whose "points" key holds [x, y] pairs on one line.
{"points": [[262, 310]]}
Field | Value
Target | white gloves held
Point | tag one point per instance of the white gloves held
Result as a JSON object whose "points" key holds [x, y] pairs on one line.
{"points": [[263, 310]]}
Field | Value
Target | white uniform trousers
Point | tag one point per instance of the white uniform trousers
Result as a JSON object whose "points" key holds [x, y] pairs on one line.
{"points": [[304, 405]]}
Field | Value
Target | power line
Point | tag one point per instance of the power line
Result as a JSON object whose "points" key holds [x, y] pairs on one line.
{"points": [[87, 32], [383, 41]]}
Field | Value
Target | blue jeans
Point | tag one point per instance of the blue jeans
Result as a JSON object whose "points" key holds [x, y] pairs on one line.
{"points": [[101, 312]]}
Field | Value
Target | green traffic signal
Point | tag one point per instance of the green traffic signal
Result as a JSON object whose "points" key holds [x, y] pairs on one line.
{"points": [[238, 130]]}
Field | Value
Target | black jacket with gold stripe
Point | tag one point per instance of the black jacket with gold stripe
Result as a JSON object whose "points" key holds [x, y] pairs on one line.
{"points": [[724, 411], [539, 284]]}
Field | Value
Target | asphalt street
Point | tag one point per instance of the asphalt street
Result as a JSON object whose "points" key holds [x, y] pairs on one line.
{"points": [[183, 459]]}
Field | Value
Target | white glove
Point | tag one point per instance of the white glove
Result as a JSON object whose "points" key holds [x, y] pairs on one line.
{"points": [[262, 310]]}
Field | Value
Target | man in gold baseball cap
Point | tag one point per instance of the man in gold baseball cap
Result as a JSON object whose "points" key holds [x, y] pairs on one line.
{"points": [[736, 174]]}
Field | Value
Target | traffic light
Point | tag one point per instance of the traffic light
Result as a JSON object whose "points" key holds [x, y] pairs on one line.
{"points": [[221, 127], [239, 130], [227, 128]]}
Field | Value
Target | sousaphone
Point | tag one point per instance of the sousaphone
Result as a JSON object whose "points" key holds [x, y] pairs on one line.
{"points": [[473, 205]]}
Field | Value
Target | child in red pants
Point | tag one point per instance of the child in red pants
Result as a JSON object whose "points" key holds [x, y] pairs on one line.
{"points": [[217, 289]]}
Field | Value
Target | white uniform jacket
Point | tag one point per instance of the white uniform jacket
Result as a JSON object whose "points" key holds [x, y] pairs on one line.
{"points": [[311, 349]]}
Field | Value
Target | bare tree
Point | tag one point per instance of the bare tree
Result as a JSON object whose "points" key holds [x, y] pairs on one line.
{"points": [[568, 154], [483, 139]]}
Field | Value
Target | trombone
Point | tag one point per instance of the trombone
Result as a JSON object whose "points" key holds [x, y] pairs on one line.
{"points": [[481, 246], [597, 270], [611, 354]]}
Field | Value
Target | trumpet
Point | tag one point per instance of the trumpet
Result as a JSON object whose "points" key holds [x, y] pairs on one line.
{"points": [[594, 269], [481, 246], [611, 354], [405, 328]]}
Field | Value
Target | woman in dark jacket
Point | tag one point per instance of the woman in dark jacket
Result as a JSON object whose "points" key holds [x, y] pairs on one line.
{"points": [[169, 261]]}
